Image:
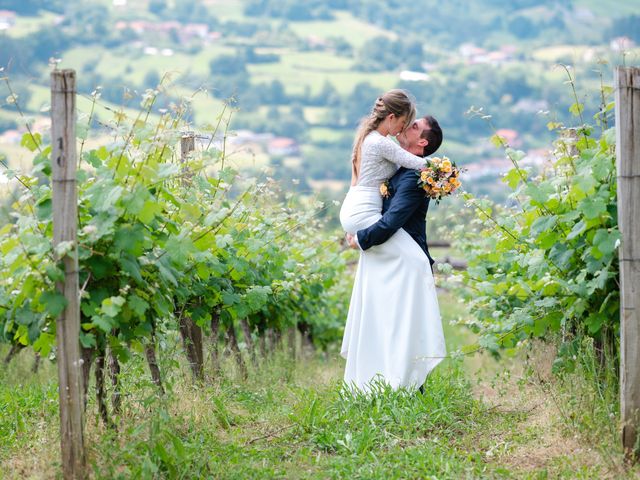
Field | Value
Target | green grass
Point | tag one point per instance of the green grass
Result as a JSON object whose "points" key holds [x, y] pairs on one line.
{"points": [[284, 422], [294, 420]]}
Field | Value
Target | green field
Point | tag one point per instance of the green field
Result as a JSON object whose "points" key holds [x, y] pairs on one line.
{"points": [[299, 70], [322, 134], [27, 25], [616, 9], [131, 66], [344, 25], [227, 9]]}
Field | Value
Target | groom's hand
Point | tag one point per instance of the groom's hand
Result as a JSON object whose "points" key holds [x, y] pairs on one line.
{"points": [[351, 240]]}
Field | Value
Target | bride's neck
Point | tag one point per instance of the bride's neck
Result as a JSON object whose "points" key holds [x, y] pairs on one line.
{"points": [[382, 130]]}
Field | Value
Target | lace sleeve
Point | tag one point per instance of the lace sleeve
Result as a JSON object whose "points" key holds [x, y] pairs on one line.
{"points": [[394, 153]]}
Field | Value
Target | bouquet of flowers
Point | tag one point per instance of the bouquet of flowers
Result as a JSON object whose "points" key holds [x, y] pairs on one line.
{"points": [[439, 178]]}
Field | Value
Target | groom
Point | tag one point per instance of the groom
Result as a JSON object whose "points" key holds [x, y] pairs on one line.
{"points": [[406, 206]]}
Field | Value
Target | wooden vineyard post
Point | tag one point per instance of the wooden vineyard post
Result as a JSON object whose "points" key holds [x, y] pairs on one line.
{"points": [[65, 226], [191, 333], [187, 145], [627, 98]]}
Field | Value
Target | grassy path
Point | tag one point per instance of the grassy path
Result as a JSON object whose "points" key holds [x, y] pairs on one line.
{"points": [[292, 421]]}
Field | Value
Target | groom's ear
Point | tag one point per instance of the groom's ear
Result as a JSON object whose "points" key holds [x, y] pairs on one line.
{"points": [[422, 142]]}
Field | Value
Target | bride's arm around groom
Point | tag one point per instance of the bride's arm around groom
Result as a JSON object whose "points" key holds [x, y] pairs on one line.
{"points": [[406, 206]]}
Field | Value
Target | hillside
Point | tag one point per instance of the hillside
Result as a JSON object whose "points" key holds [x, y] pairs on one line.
{"points": [[301, 75]]}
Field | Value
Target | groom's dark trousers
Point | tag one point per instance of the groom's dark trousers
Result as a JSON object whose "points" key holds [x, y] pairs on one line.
{"points": [[406, 207]]}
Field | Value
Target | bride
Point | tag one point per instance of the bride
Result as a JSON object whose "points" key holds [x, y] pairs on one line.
{"points": [[393, 331]]}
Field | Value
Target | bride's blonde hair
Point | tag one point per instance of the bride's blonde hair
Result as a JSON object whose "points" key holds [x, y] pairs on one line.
{"points": [[394, 101]]}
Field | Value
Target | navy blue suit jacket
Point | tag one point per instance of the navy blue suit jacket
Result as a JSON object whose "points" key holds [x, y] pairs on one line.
{"points": [[406, 208]]}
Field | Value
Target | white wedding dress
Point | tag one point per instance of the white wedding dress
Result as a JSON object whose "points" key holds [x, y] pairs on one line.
{"points": [[393, 331]]}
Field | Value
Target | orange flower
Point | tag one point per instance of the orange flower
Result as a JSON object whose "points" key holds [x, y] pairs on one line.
{"points": [[439, 178], [384, 190]]}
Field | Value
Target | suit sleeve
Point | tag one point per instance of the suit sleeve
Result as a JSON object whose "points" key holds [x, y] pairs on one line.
{"points": [[405, 201]]}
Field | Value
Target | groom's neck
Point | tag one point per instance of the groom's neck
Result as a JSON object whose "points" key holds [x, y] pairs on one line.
{"points": [[415, 149]]}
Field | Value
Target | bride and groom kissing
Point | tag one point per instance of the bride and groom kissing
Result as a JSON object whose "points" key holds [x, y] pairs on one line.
{"points": [[393, 332]]}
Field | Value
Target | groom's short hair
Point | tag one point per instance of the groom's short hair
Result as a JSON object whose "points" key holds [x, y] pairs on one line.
{"points": [[433, 135]]}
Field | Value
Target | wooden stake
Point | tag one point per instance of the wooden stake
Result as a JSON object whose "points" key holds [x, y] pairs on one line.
{"points": [[215, 331], [291, 342], [65, 227], [248, 339], [114, 368], [232, 340], [191, 333], [101, 392], [150, 353], [187, 145], [15, 349], [627, 98]]}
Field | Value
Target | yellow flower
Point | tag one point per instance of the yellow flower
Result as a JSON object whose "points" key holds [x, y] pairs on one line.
{"points": [[430, 181], [446, 165], [424, 175], [447, 188], [384, 190]]}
